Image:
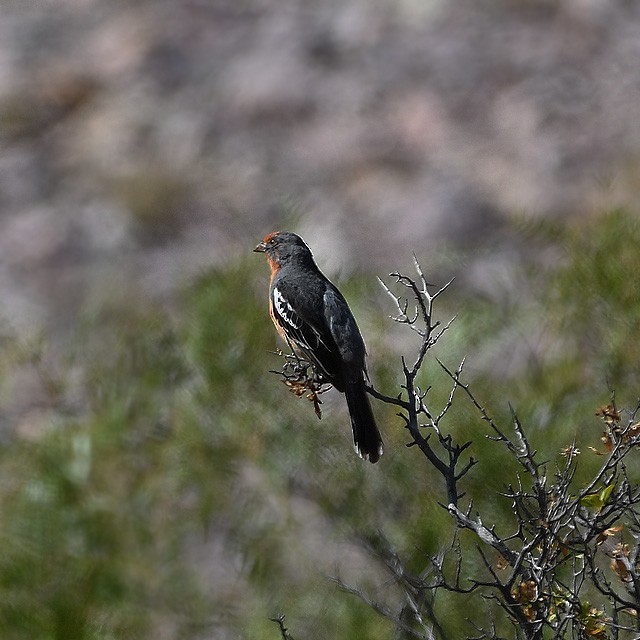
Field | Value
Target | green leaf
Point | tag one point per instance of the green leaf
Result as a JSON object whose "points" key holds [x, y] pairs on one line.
{"points": [[597, 500], [592, 501], [606, 492]]}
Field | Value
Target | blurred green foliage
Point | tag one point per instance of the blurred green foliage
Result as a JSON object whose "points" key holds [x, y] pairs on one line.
{"points": [[170, 487], [598, 286]]}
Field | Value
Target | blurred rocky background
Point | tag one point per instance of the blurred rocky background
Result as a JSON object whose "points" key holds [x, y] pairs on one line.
{"points": [[155, 480], [146, 140]]}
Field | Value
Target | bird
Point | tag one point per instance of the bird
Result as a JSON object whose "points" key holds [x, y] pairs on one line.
{"points": [[313, 317]]}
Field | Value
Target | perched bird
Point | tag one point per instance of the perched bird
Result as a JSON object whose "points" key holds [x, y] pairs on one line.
{"points": [[313, 317]]}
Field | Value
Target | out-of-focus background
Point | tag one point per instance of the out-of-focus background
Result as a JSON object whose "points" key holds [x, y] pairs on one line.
{"points": [[141, 142], [157, 481]]}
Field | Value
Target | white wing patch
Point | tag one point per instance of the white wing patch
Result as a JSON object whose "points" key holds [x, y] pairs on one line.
{"points": [[285, 310]]}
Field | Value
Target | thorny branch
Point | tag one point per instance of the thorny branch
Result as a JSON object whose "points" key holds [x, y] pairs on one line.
{"points": [[565, 541], [416, 311], [279, 620]]}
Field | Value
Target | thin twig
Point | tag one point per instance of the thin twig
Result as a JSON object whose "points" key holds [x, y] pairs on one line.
{"points": [[279, 620]]}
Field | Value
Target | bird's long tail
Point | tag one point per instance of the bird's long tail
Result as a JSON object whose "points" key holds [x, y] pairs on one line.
{"points": [[366, 436]]}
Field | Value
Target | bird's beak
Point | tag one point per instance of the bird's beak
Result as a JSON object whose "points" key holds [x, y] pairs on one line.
{"points": [[261, 248]]}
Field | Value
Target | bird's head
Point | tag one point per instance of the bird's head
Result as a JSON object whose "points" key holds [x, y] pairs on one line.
{"points": [[282, 247]]}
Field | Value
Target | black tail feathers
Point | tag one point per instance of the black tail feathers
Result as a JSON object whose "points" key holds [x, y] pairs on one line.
{"points": [[366, 436]]}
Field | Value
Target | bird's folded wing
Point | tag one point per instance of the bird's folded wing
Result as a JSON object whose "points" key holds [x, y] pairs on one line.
{"points": [[304, 336]]}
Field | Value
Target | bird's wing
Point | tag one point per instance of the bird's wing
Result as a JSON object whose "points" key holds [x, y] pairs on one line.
{"points": [[344, 330], [311, 338]]}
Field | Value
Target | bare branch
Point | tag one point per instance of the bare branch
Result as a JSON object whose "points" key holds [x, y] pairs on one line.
{"points": [[279, 620], [565, 541], [486, 535], [383, 610]]}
